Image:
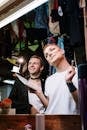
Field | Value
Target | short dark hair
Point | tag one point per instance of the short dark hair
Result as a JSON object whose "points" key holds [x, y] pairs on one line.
{"points": [[50, 40], [38, 57]]}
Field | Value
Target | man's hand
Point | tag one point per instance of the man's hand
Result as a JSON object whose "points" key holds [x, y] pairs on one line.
{"points": [[70, 74]]}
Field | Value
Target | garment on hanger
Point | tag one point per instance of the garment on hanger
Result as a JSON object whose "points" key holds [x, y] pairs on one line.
{"points": [[69, 22], [41, 16], [54, 17]]}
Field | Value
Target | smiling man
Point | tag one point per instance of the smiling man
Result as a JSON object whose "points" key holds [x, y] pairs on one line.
{"points": [[35, 68], [23, 94], [61, 88]]}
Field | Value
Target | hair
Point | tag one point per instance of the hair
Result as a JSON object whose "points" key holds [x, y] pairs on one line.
{"points": [[48, 45], [52, 40], [38, 57]]}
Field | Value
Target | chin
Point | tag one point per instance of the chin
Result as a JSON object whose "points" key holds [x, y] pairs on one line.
{"points": [[54, 60], [31, 72], [53, 63]]}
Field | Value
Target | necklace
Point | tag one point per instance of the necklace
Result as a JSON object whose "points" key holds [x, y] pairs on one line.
{"points": [[35, 78]]}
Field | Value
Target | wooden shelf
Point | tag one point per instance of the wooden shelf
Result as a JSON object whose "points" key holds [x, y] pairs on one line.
{"points": [[51, 122]]}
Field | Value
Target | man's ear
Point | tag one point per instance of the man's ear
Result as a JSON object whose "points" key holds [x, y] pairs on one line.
{"points": [[63, 51], [42, 67]]}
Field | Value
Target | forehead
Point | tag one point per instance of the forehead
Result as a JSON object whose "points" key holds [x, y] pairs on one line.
{"points": [[47, 47], [33, 59]]}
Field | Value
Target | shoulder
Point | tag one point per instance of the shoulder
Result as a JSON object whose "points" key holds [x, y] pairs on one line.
{"points": [[18, 82], [49, 78]]}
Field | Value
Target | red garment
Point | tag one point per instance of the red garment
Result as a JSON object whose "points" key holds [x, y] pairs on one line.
{"points": [[55, 6], [21, 28]]}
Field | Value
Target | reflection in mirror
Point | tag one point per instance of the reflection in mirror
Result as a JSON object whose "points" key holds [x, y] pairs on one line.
{"points": [[26, 36]]}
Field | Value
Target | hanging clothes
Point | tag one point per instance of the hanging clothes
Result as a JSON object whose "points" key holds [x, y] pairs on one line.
{"points": [[41, 16], [69, 22], [53, 23]]}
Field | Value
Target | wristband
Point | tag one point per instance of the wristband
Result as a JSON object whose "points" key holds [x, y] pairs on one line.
{"points": [[71, 87]]}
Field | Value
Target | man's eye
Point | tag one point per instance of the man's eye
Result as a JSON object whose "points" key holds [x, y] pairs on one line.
{"points": [[36, 63], [52, 49]]}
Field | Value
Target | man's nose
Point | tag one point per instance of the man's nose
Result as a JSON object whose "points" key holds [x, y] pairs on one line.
{"points": [[32, 65], [50, 54]]}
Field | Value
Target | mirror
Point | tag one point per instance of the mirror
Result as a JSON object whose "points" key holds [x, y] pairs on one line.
{"points": [[24, 36]]}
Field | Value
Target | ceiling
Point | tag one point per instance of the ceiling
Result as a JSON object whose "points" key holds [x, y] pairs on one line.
{"points": [[10, 4], [13, 6]]}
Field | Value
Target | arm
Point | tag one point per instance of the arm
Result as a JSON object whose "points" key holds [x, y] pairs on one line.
{"points": [[73, 90], [38, 91], [75, 96], [42, 97], [34, 111]]}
